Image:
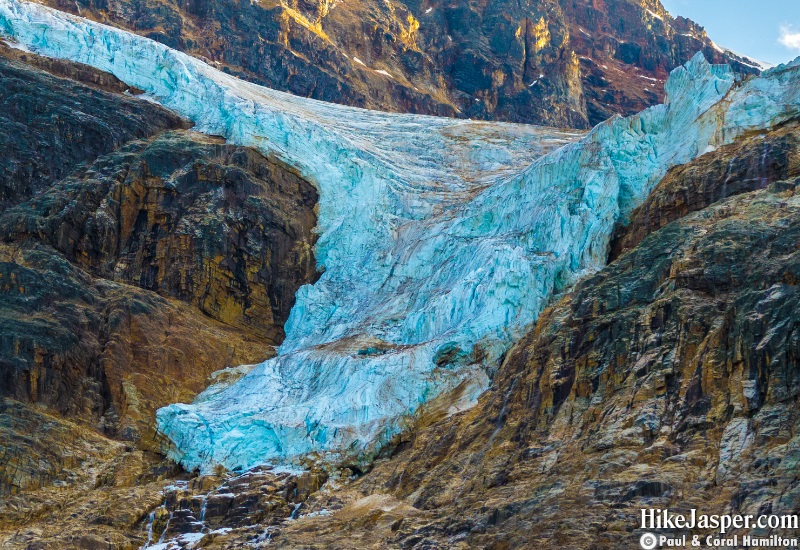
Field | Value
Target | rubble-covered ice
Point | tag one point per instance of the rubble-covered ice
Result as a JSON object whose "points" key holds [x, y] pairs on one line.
{"points": [[440, 240]]}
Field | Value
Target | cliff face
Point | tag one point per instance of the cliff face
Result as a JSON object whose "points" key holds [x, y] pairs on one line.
{"points": [[405, 311], [669, 380], [50, 125], [128, 282], [151, 258], [563, 63], [217, 226], [750, 164]]}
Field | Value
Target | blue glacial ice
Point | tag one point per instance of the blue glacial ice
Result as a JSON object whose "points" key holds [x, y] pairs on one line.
{"points": [[440, 240]]}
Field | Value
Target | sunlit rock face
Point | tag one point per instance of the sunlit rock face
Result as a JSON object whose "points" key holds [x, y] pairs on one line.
{"points": [[440, 241], [566, 63]]}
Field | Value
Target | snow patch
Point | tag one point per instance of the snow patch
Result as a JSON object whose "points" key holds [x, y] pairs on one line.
{"points": [[654, 15]]}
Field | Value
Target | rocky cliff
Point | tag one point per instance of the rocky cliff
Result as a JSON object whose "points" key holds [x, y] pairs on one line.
{"points": [[134, 262], [50, 125], [668, 380], [402, 297], [564, 63], [154, 255]]}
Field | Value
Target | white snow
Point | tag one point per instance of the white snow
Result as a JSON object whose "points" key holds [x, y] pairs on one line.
{"points": [[655, 15], [441, 240], [747, 60], [357, 60]]}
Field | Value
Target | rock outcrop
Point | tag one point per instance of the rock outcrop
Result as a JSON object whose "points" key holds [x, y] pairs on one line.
{"points": [[668, 380], [136, 258], [214, 225], [49, 125], [749, 164], [563, 63], [74, 488]]}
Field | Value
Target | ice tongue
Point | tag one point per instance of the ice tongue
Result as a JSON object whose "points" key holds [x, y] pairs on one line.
{"points": [[441, 240]]}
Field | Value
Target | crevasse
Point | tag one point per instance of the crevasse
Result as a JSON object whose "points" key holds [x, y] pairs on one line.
{"points": [[440, 240]]}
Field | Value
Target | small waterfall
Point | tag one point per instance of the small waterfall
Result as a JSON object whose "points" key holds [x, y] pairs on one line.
{"points": [[150, 520], [728, 177], [296, 509], [764, 175], [203, 508], [166, 527]]}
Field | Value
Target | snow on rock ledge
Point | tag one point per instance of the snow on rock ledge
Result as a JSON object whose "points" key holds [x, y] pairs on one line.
{"points": [[441, 241]]}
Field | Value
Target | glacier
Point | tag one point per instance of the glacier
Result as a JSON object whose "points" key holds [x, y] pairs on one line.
{"points": [[440, 240]]}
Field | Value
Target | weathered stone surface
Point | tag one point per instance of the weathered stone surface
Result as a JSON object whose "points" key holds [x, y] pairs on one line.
{"points": [[78, 489], [749, 164], [99, 493], [669, 380], [37, 450], [49, 125], [218, 226], [106, 354], [123, 286], [563, 63]]}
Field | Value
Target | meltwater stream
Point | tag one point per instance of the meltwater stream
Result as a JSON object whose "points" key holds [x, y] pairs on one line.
{"points": [[441, 240]]}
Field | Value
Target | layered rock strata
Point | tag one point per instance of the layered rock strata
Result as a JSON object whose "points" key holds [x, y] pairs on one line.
{"points": [[667, 380], [564, 63], [135, 261], [400, 292]]}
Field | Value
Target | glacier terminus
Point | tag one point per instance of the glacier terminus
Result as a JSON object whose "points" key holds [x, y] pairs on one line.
{"points": [[440, 241]]}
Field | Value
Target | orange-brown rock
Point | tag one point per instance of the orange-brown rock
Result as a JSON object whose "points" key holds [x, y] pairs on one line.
{"points": [[667, 380], [104, 353], [751, 163], [218, 226], [565, 63], [83, 490]]}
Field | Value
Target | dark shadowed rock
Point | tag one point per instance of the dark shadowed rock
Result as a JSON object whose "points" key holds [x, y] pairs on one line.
{"points": [[103, 353], [218, 226], [565, 63], [749, 164], [669, 379], [49, 125]]}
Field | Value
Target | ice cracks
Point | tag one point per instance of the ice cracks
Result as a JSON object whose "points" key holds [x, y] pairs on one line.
{"points": [[441, 241]]}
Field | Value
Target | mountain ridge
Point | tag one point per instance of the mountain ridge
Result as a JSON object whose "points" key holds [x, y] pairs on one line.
{"points": [[558, 63], [656, 367]]}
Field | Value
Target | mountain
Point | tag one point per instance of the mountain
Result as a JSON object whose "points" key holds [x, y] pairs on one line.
{"points": [[667, 380], [565, 63], [471, 334], [429, 310]]}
